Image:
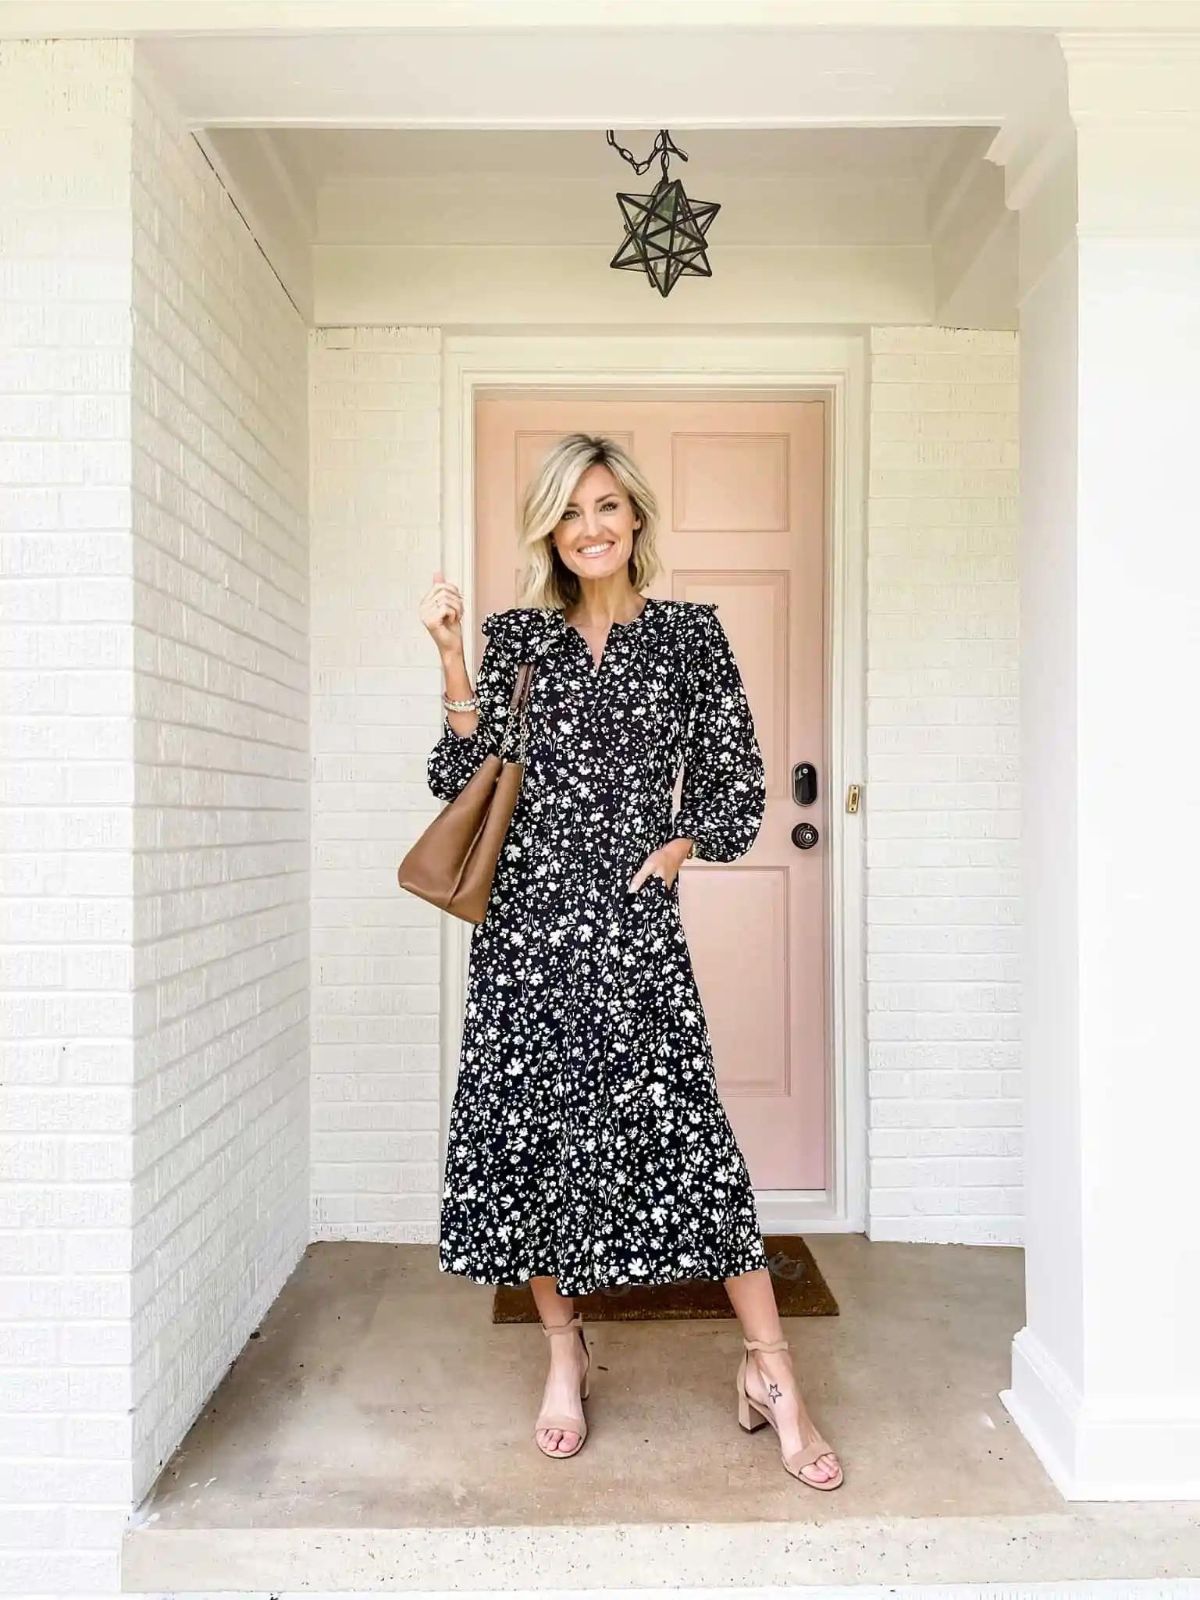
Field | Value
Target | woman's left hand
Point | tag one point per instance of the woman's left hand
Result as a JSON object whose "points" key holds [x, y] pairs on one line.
{"points": [[663, 863]]}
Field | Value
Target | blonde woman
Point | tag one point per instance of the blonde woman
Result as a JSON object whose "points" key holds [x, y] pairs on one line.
{"points": [[588, 1146]]}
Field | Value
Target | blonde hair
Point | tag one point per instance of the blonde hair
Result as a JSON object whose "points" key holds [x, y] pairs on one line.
{"points": [[542, 579]]}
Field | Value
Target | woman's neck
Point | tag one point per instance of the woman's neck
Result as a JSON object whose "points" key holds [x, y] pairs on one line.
{"points": [[599, 610]]}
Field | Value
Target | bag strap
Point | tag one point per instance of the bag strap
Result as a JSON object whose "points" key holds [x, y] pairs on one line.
{"points": [[518, 705]]}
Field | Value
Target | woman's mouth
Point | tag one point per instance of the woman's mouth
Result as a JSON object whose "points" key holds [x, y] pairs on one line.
{"points": [[592, 552]]}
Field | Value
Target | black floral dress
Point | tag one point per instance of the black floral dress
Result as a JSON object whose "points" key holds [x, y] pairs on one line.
{"points": [[587, 1139]]}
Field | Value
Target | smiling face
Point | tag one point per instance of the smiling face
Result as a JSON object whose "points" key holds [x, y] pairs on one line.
{"points": [[594, 536]]}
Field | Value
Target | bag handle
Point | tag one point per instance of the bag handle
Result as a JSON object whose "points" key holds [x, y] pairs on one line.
{"points": [[518, 704]]}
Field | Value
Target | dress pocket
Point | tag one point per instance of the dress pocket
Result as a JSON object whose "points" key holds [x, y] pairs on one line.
{"points": [[660, 892]]}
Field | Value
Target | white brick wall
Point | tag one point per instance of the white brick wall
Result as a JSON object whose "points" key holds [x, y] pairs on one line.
{"points": [[66, 749], [942, 815], [221, 882], [153, 798], [375, 508]]}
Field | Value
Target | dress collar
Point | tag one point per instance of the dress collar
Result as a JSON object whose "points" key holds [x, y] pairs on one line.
{"points": [[555, 627]]}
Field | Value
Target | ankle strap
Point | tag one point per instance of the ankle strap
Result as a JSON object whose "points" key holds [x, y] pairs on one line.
{"points": [[765, 1344], [563, 1327]]}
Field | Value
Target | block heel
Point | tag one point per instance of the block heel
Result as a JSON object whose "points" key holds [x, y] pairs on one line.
{"points": [[752, 1416]]}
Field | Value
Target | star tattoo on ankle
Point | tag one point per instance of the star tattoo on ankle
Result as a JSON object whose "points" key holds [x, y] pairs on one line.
{"points": [[774, 1391]]}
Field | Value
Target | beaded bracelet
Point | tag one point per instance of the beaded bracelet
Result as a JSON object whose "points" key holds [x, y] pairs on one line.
{"points": [[460, 705]]}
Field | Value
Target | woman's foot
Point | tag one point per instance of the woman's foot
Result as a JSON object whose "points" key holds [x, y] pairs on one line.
{"points": [[561, 1394], [770, 1381]]}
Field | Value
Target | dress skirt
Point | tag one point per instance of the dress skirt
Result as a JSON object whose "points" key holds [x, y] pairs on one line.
{"points": [[587, 1139]]}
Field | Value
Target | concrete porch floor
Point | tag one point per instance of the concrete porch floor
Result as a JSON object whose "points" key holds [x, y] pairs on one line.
{"points": [[378, 1435]]}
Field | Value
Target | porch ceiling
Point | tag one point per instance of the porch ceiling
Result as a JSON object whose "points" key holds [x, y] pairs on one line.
{"points": [[811, 186]]}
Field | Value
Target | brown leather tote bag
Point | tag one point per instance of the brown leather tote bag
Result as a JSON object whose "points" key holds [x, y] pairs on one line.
{"points": [[453, 863]]}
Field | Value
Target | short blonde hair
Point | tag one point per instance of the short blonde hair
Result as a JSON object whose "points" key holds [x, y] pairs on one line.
{"points": [[543, 580]]}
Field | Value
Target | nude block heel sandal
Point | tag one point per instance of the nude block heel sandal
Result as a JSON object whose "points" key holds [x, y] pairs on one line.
{"points": [[751, 1415], [566, 1424]]}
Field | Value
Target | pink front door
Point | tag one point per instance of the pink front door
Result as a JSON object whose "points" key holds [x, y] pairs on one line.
{"points": [[741, 491]]}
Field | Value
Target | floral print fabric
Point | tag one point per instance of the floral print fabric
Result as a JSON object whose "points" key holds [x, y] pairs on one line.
{"points": [[587, 1139]]}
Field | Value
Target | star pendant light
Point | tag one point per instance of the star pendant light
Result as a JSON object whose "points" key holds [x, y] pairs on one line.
{"points": [[664, 231]]}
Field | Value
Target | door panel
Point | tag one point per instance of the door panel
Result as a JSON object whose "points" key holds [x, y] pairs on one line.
{"points": [[741, 490]]}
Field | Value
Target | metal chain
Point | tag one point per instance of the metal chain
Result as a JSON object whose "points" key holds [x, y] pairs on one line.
{"points": [[522, 714], [664, 146]]}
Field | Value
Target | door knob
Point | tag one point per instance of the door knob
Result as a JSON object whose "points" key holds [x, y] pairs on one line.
{"points": [[804, 836]]}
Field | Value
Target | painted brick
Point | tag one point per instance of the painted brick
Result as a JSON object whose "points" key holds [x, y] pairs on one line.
{"points": [[942, 813], [220, 546], [154, 920], [66, 876], [375, 492]]}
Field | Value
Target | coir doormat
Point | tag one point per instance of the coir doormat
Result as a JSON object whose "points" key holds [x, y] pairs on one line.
{"points": [[800, 1291]]}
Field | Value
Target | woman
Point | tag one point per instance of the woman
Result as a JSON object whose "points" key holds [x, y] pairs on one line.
{"points": [[588, 1146]]}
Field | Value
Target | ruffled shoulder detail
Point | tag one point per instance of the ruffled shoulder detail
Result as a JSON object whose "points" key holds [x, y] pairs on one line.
{"points": [[522, 627], [502, 625], [698, 612]]}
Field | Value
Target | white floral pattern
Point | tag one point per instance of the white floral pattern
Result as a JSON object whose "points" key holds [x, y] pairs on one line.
{"points": [[587, 1138]]}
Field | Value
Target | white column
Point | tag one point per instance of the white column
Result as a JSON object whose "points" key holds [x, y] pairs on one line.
{"points": [[1106, 1372]]}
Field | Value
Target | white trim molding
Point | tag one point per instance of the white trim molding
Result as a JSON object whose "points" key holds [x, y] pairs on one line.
{"points": [[833, 367], [1110, 1451]]}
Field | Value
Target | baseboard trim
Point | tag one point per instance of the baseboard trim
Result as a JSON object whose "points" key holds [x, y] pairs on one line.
{"points": [[1131, 1448]]}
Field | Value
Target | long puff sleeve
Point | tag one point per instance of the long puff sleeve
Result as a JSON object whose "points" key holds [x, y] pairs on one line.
{"points": [[456, 757], [724, 792]]}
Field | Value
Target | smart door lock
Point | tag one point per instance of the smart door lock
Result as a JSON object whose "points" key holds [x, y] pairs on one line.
{"points": [[804, 783]]}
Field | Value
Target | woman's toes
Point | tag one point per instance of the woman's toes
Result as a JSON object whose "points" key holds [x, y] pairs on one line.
{"points": [[556, 1441], [823, 1469]]}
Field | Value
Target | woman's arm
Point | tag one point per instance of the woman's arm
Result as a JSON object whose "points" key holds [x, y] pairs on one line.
{"points": [[724, 781], [460, 751]]}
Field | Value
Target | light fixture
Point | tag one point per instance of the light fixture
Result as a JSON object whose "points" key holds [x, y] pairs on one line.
{"points": [[664, 231]]}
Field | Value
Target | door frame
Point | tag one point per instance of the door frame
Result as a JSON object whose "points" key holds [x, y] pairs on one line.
{"points": [[829, 366]]}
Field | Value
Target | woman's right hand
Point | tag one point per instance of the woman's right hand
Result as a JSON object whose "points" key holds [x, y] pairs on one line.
{"points": [[441, 612]]}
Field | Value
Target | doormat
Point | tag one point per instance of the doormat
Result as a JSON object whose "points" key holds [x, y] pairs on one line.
{"points": [[800, 1291]]}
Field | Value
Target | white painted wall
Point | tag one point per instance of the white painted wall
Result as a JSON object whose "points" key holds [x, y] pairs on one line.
{"points": [[221, 786], [67, 1044], [1050, 834], [943, 798], [536, 287], [375, 507], [154, 909]]}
